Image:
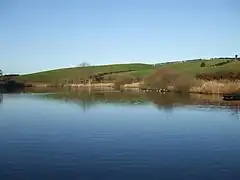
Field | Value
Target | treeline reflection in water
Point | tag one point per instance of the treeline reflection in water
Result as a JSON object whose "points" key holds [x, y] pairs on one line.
{"points": [[1, 98], [87, 98]]}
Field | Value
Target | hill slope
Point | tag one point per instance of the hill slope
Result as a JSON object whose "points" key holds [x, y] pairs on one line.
{"points": [[193, 67], [75, 75], [78, 73]]}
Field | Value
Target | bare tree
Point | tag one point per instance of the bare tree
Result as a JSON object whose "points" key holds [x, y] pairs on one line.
{"points": [[86, 71], [84, 64]]}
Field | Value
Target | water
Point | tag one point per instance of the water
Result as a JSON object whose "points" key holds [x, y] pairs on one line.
{"points": [[116, 136]]}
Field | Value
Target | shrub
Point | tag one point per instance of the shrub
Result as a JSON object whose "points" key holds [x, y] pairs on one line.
{"points": [[219, 75], [122, 80], [183, 83], [160, 78], [137, 79], [216, 87], [203, 64], [164, 78], [222, 63]]}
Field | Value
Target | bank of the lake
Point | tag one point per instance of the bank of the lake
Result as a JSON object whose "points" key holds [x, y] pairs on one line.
{"points": [[201, 87], [9, 86]]}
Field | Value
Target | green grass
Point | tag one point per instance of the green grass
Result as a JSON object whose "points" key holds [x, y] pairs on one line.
{"points": [[75, 74], [191, 67], [136, 70]]}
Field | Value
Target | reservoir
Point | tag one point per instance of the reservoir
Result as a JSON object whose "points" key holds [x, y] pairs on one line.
{"points": [[116, 135]]}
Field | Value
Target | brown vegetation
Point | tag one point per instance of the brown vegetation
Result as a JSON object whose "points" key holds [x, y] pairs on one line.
{"points": [[219, 75], [174, 81], [164, 78], [183, 83], [216, 87], [122, 80]]}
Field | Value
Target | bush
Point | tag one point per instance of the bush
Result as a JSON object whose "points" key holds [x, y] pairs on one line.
{"points": [[217, 87], [160, 79], [203, 64], [222, 63], [183, 83], [137, 79], [122, 80], [164, 78], [219, 75]]}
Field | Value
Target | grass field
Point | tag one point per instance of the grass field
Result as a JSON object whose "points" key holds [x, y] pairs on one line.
{"points": [[192, 67], [75, 74], [136, 70]]}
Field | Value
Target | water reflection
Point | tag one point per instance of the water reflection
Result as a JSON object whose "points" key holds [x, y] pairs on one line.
{"points": [[44, 130], [168, 101], [1, 98], [87, 99], [236, 113], [163, 101]]}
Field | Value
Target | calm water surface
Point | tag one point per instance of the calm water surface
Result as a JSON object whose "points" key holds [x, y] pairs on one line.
{"points": [[51, 137]]}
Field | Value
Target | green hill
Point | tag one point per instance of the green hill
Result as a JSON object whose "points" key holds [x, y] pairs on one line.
{"points": [[77, 74], [193, 67]]}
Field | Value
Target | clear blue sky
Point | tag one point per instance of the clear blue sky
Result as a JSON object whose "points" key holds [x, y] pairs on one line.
{"points": [[39, 35]]}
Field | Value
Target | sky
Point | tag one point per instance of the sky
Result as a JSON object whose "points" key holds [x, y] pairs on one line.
{"points": [[49, 34]]}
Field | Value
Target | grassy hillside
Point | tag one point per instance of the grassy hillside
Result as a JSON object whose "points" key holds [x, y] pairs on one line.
{"points": [[75, 75], [192, 67], [78, 73]]}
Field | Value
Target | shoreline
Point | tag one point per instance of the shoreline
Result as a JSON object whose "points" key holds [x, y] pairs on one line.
{"points": [[203, 87]]}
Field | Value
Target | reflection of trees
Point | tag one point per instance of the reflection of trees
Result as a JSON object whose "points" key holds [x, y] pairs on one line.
{"points": [[169, 100], [1, 98], [87, 99], [84, 104], [84, 100], [163, 101], [235, 112]]}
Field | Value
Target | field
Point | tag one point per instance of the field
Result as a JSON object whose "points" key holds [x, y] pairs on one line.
{"points": [[79, 73], [111, 72]]}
